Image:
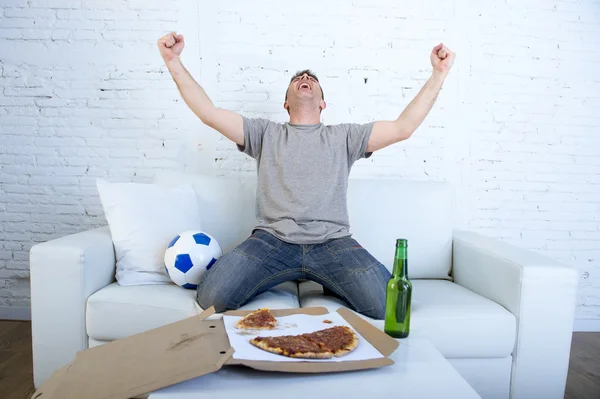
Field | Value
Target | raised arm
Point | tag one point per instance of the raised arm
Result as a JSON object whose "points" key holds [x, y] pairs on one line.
{"points": [[228, 123], [389, 132]]}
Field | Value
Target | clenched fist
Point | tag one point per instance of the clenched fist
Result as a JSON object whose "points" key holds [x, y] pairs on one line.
{"points": [[442, 58], [170, 46]]}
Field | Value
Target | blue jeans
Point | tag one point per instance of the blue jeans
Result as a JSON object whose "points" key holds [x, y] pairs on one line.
{"points": [[263, 261]]}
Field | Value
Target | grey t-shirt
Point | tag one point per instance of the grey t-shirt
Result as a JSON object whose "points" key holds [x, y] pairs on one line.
{"points": [[303, 176]]}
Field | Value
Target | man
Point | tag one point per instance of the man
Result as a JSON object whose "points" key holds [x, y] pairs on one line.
{"points": [[303, 167]]}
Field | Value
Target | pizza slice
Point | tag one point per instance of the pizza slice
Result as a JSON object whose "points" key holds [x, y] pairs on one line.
{"points": [[340, 340], [292, 346], [261, 319], [324, 344]]}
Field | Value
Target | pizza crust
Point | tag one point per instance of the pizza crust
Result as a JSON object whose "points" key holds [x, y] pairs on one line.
{"points": [[279, 351], [312, 355], [242, 326], [349, 348]]}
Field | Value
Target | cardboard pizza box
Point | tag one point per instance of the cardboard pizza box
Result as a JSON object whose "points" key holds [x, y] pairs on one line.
{"points": [[137, 365]]}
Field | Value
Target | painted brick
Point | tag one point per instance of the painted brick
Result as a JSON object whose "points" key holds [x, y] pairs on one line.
{"points": [[85, 95], [54, 3]]}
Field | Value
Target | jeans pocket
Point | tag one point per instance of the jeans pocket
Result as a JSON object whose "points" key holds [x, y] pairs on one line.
{"points": [[258, 246], [343, 244], [353, 257]]}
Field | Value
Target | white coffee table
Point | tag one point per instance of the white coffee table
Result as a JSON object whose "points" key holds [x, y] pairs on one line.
{"points": [[420, 371]]}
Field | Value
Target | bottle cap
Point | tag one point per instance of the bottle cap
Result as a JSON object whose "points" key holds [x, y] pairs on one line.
{"points": [[402, 242]]}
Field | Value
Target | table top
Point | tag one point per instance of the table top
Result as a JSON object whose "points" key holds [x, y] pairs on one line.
{"points": [[420, 371]]}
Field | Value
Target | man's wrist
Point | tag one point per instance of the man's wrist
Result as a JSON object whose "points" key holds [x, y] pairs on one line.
{"points": [[173, 63], [439, 75]]}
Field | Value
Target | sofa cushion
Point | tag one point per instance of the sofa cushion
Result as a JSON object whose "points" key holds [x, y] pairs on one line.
{"points": [[420, 211], [459, 322], [143, 219], [118, 311]]}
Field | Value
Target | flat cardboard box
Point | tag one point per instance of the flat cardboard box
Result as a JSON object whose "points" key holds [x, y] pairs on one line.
{"points": [[180, 351]]}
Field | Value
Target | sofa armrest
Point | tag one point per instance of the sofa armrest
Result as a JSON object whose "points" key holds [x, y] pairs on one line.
{"points": [[64, 273], [540, 292]]}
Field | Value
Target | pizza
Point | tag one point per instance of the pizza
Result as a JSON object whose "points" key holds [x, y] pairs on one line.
{"points": [[261, 319], [323, 344]]}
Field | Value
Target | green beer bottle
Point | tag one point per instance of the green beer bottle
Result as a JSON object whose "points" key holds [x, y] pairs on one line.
{"points": [[398, 293]]}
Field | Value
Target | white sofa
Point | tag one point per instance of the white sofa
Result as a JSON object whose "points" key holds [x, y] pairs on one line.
{"points": [[502, 316]]}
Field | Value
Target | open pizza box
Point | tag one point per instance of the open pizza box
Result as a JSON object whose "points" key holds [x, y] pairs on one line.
{"points": [[140, 364]]}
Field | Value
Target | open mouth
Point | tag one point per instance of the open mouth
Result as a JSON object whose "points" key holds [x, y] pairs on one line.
{"points": [[304, 85]]}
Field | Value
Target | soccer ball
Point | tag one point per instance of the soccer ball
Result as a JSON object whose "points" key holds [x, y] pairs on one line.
{"points": [[189, 256]]}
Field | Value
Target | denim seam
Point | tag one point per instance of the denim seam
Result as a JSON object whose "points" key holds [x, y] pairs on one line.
{"points": [[302, 267], [266, 280], [346, 249], [254, 258], [326, 245], [368, 269]]}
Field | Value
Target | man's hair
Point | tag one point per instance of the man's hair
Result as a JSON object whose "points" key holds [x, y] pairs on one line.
{"points": [[309, 73]]}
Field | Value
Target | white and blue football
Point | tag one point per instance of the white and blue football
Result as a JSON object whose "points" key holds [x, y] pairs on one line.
{"points": [[189, 256]]}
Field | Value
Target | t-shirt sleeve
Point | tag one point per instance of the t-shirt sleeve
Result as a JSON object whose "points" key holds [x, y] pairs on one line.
{"points": [[254, 131], [358, 136]]}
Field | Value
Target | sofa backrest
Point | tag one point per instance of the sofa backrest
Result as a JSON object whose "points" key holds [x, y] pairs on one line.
{"points": [[380, 211]]}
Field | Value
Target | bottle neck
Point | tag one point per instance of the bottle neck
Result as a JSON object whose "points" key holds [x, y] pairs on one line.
{"points": [[400, 263]]}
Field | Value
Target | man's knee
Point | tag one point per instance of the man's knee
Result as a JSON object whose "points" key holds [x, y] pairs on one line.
{"points": [[375, 308], [368, 302], [370, 292], [219, 297], [373, 294], [216, 289], [379, 312]]}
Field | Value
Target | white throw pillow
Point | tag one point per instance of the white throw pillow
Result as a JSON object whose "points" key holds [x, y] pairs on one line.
{"points": [[143, 218]]}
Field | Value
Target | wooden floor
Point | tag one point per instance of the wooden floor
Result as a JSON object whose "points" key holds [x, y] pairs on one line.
{"points": [[16, 374], [584, 368], [16, 369]]}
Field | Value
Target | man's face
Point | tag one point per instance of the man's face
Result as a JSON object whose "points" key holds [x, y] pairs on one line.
{"points": [[304, 88]]}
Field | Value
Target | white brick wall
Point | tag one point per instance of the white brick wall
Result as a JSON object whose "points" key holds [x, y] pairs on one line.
{"points": [[85, 94]]}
